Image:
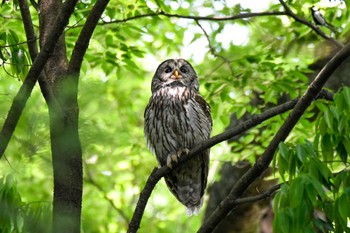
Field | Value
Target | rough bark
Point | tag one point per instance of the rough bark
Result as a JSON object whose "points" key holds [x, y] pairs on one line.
{"points": [[65, 142]]}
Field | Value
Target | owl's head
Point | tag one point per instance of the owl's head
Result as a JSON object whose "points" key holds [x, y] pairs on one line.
{"points": [[175, 72]]}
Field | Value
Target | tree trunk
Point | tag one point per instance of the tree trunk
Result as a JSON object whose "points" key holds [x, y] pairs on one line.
{"points": [[65, 142], [67, 159]]}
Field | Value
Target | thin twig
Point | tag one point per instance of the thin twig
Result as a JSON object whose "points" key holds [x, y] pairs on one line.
{"points": [[212, 49], [258, 197], [209, 18]]}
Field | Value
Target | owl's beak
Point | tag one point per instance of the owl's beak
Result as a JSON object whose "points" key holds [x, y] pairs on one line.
{"points": [[176, 74]]}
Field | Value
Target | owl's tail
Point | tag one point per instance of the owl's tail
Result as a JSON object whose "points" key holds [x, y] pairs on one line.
{"points": [[190, 194], [194, 210]]}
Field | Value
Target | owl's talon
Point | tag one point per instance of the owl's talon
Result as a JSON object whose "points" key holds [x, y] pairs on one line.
{"points": [[172, 158], [185, 151], [182, 151]]}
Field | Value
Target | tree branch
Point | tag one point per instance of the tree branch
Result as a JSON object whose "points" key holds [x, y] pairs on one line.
{"points": [[287, 12], [212, 49], [297, 18], [33, 51], [158, 173], [85, 35], [29, 29], [25, 90], [263, 162], [209, 18], [258, 197]]}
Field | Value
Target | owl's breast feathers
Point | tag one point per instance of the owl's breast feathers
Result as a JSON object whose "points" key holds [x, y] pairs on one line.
{"points": [[178, 117]]}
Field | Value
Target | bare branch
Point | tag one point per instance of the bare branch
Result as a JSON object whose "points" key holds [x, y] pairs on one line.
{"points": [[33, 74], [158, 173], [29, 29], [258, 197], [212, 49], [265, 159], [208, 18], [34, 4]]}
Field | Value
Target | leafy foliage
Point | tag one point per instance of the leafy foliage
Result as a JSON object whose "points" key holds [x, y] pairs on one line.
{"points": [[316, 193], [245, 77], [17, 216]]}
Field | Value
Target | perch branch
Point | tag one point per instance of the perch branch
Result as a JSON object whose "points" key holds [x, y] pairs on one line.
{"points": [[158, 173], [265, 159], [25, 90]]}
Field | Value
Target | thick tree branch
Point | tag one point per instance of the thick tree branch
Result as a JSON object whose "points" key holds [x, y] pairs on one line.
{"points": [[158, 173], [25, 90], [299, 19], [33, 51], [85, 35], [263, 162]]}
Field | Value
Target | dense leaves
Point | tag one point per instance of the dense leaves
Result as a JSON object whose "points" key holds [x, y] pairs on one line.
{"points": [[245, 66]]}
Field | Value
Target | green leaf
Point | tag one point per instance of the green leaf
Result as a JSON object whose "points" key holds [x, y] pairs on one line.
{"points": [[342, 204], [13, 37], [328, 117], [342, 152], [301, 153], [318, 187], [283, 160], [296, 193], [282, 222], [327, 148], [346, 94]]}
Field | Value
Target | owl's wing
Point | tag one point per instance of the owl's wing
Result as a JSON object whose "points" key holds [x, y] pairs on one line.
{"points": [[205, 107]]}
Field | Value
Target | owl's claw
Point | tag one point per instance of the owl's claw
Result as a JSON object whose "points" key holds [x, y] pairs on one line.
{"points": [[173, 158], [183, 151]]}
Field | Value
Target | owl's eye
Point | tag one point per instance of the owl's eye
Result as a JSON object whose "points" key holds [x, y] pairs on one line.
{"points": [[183, 70], [168, 69]]}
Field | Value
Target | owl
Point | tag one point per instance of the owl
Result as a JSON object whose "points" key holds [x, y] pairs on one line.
{"points": [[176, 119]]}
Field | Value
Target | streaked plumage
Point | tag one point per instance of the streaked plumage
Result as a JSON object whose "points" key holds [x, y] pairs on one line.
{"points": [[176, 119]]}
